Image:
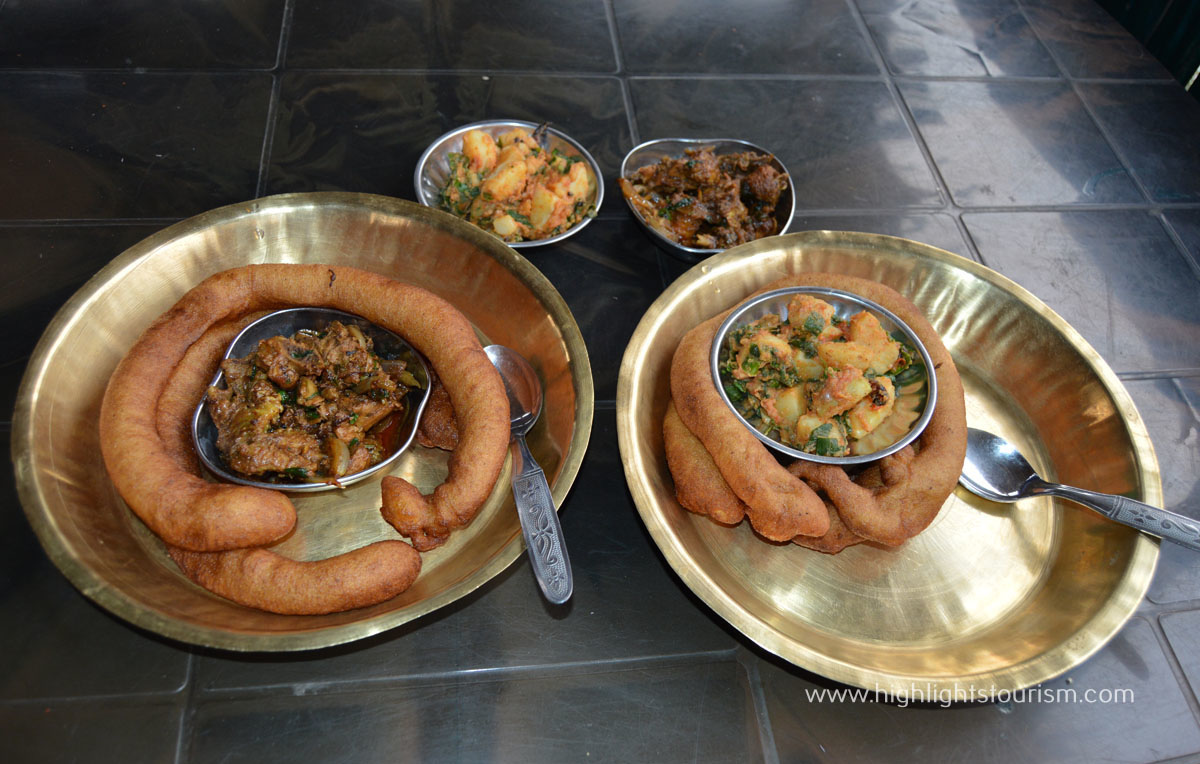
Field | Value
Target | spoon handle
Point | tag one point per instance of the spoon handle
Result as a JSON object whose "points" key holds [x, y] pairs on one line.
{"points": [[540, 525], [1157, 522]]}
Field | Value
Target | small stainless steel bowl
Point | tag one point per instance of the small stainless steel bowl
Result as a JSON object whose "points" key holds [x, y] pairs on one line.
{"points": [[433, 168], [286, 323], [653, 152], [845, 304]]}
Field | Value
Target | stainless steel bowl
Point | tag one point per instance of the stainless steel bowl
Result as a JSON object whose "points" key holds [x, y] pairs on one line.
{"points": [[433, 168], [844, 304], [653, 152], [286, 323]]}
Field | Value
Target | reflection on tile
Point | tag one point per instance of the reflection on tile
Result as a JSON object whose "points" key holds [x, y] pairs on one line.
{"points": [[1171, 410], [1114, 275], [608, 275], [365, 132], [627, 605], [764, 37], [98, 732], [126, 33], [1088, 42], [965, 38], [845, 143], [43, 266], [1016, 143], [1123, 704], [1153, 126], [935, 229], [61, 645], [385, 34], [129, 145], [697, 712]]}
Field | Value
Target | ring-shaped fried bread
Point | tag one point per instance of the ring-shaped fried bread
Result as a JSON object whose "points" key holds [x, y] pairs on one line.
{"points": [[779, 505], [888, 502], [260, 577], [188, 512]]}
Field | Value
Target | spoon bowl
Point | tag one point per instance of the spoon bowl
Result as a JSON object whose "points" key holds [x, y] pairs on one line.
{"points": [[995, 470], [535, 504]]}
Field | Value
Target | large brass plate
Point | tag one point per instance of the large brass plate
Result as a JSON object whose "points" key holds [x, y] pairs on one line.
{"points": [[990, 597], [112, 558]]}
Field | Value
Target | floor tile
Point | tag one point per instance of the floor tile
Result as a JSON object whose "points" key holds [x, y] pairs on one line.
{"points": [[1026, 142], [627, 606], [808, 37], [1145, 718], [520, 35], [1088, 42], [1114, 275], [365, 132], [1186, 223], [1171, 411], [125, 34], [45, 265], [1152, 125], [699, 712], [844, 142], [935, 229], [607, 275], [956, 38], [98, 732], [151, 145], [1183, 635]]}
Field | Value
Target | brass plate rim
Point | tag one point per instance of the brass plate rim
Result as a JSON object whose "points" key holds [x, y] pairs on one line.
{"points": [[95, 588], [1070, 652]]}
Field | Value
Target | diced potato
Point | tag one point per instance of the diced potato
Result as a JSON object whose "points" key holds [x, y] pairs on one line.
{"points": [[504, 225], [543, 206], [877, 406], [480, 150], [807, 368], [790, 405], [771, 345], [843, 355], [865, 329], [516, 135], [579, 184], [805, 310], [505, 181], [511, 152], [842, 389]]}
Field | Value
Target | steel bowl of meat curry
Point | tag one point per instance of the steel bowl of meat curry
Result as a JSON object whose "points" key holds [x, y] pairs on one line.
{"points": [[309, 399], [824, 375], [696, 197]]}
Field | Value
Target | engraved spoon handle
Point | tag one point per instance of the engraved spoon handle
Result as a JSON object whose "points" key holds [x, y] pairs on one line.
{"points": [[1157, 522], [540, 525]]}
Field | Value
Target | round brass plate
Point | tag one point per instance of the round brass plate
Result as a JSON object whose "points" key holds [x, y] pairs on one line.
{"points": [[112, 558], [990, 597]]}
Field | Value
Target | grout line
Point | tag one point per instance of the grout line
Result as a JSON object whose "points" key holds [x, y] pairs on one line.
{"points": [[268, 142], [475, 676], [766, 730]]}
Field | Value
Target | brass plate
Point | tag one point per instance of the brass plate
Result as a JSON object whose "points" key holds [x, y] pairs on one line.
{"points": [[112, 558], [990, 597]]}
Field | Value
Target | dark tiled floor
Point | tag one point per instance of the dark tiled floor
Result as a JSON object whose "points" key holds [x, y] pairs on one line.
{"points": [[1035, 136]]}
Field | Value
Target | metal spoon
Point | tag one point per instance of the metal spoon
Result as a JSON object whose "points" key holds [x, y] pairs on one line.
{"points": [[995, 470], [535, 505]]}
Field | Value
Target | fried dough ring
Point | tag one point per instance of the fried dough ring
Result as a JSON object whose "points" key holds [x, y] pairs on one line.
{"points": [[779, 505], [890, 501], [259, 577], [188, 512], [699, 486]]}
